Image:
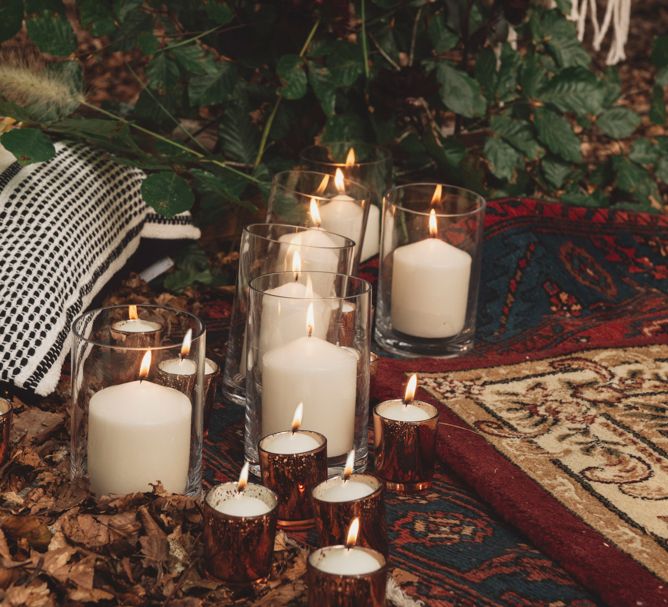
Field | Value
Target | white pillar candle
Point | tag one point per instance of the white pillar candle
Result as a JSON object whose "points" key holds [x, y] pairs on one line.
{"points": [[430, 287], [138, 433], [399, 411], [136, 325], [340, 560], [227, 499], [320, 375], [342, 215], [371, 244], [283, 312], [289, 442]]}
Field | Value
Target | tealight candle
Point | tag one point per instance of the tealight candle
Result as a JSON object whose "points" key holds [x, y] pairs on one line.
{"points": [[405, 440], [430, 287], [339, 499], [138, 433], [291, 464], [239, 530], [135, 331], [347, 574]]}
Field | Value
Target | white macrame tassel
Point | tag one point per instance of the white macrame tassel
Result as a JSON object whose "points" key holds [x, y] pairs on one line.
{"points": [[617, 14], [397, 597]]}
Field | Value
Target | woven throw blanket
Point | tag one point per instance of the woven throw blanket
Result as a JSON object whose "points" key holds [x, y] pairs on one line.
{"points": [[66, 226], [559, 419]]}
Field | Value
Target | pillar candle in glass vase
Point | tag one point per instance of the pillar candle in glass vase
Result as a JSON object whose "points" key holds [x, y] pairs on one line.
{"points": [[342, 215], [430, 286]]}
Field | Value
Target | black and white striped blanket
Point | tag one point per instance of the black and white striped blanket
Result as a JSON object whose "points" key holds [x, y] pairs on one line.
{"points": [[66, 226]]}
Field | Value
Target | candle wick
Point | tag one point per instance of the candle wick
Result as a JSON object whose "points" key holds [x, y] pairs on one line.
{"points": [[296, 276]]}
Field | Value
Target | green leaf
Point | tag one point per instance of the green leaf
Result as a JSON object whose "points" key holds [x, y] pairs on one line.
{"points": [[459, 92], [344, 127], [506, 88], [442, 38], [96, 17], [644, 152], [214, 86], [555, 171], [618, 122], [502, 158], [52, 33], [323, 86], [218, 12], [345, 63], [519, 134], [290, 70], [532, 76], [124, 8], [576, 90], [162, 73], [239, 139], [659, 54], [28, 145], [167, 193], [633, 179], [226, 189], [561, 39], [485, 72], [657, 110], [662, 169], [556, 134], [192, 59], [148, 43], [11, 17], [192, 266]]}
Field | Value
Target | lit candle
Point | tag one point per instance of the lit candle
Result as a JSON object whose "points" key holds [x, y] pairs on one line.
{"points": [[138, 433], [181, 365], [342, 215], [134, 324], [430, 287], [347, 574], [347, 487], [239, 503], [284, 309], [320, 375], [404, 410], [292, 442]]}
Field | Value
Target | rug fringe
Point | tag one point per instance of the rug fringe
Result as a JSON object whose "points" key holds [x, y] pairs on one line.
{"points": [[397, 597]]}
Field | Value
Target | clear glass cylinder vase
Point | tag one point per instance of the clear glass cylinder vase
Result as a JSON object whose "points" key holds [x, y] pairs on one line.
{"points": [[365, 163], [266, 248], [429, 275], [312, 350], [137, 399], [314, 199]]}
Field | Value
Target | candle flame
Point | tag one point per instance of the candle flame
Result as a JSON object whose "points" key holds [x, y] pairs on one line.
{"points": [[310, 320], [323, 185], [411, 386], [350, 158], [350, 463], [314, 211], [309, 287], [436, 198], [132, 312], [296, 264], [145, 365], [353, 532], [297, 418], [433, 226], [187, 341], [339, 181], [243, 478]]}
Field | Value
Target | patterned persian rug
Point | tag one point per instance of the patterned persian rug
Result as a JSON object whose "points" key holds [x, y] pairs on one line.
{"points": [[559, 418]]}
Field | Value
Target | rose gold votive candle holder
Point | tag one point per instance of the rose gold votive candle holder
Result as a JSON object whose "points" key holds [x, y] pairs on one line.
{"points": [[292, 463], [346, 575], [6, 411], [338, 500], [239, 530], [405, 441]]}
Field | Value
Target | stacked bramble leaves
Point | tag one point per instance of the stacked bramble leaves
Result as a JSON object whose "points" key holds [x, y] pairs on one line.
{"points": [[229, 92]]}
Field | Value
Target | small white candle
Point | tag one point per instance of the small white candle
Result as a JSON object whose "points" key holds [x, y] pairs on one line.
{"points": [[338, 489], [340, 560], [209, 366], [137, 325], [138, 433], [240, 498], [243, 505], [178, 366], [399, 411], [430, 287], [371, 244], [289, 442]]}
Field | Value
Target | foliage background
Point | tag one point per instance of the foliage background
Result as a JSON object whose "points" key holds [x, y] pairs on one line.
{"points": [[212, 97]]}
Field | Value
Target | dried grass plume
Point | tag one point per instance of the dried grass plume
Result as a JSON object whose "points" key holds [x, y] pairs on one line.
{"points": [[39, 93]]}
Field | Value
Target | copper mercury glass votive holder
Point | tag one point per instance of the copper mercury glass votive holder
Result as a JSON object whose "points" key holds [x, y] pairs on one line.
{"points": [[405, 450], [333, 517], [239, 549], [6, 411], [327, 589], [292, 476]]}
